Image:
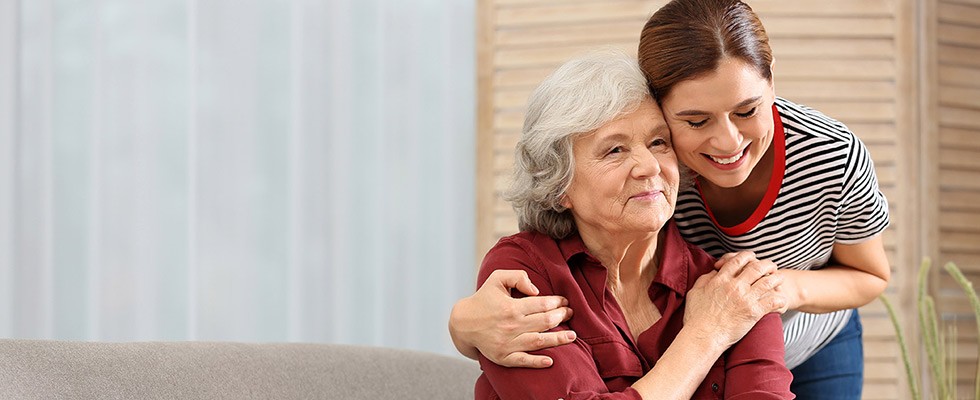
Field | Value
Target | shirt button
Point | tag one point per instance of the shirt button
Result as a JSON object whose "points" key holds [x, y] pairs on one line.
{"points": [[714, 387]]}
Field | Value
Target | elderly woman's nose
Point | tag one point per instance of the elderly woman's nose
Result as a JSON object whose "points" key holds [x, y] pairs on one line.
{"points": [[646, 163], [727, 138]]}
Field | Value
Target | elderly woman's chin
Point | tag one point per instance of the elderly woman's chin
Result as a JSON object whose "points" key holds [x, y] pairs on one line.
{"points": [[652, 215]]}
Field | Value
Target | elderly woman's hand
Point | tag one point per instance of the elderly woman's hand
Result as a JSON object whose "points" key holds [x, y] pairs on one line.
{"points": [[725, 304], [503, 328]]}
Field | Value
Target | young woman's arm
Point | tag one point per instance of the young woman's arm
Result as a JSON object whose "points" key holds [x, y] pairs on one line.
{"points": [[857, 274], [503, 328]]}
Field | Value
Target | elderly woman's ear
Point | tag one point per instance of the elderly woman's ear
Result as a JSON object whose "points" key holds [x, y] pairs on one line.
{"points": [[565, 202]]}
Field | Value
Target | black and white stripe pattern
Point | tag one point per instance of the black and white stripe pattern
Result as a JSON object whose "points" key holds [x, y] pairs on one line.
{"points": [[829, 194]]}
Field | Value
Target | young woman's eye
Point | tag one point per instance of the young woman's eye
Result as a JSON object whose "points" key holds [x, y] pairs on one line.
{"points": [[697, 124], [746, 114]]}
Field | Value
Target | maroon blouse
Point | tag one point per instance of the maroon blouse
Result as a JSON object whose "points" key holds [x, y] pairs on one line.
{"points": [[605, 359]]}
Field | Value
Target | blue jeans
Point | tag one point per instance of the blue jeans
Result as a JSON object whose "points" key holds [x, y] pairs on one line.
{"points": [[836, 371]]}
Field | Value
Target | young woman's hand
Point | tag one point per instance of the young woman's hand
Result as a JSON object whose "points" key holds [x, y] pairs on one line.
{"points": [[503, 328]]}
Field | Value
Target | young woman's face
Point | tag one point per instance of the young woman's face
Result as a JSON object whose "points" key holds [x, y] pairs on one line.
{"points": [[721, 123]]}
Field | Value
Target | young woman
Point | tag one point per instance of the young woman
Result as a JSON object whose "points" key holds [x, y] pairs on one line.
{"points": [[777, 178]]}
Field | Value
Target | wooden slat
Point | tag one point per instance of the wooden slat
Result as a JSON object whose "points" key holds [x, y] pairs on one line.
{"points": [[875, 133], [959, 180], [538, 3], [785, 48], [879, 331], [880, 371], [959, 118], [503, 161], [880, 391], [960, 221], [964, 261], [959, 76], [512, 98], [805, 8], [506, 141], [523, 77], [835, 69], [960, 241], [548, 57], [843, 27], [960, 97], [852, 112], [822, 90], [571, 34], [959, 14], [961, 159], [959, 138], [955, 200], [508, 120], [959, 56], [959, 35], [886, 175], [561, 13], [963, 2]]}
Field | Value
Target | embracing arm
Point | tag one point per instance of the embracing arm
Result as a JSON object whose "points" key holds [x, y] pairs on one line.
{"points": [[503, 328], [857, 274]]}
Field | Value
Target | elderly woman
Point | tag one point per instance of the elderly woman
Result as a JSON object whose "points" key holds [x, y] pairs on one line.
{"points": [[595, 185]]}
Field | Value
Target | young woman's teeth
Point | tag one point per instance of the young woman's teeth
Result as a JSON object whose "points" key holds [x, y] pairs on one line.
{"points": [[728, 160]]}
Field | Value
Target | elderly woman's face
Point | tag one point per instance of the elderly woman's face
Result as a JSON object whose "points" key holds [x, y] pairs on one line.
{"points": [[626, 174]]}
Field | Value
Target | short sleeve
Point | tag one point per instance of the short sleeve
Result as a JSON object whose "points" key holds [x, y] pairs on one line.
{"points": [[863, 211]]}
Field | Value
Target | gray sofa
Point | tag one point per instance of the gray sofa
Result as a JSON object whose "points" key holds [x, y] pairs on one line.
{"points": [[38, 369]]}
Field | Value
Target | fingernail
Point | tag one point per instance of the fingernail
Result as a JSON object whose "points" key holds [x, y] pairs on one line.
{"points": [[570, 335], [546, 362]]}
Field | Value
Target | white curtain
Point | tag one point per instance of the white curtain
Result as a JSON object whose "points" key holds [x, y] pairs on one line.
{"points": [[248, 170]]}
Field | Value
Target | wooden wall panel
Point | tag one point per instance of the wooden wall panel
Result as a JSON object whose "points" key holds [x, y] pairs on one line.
{"points": [[957, 121], [860, 61]]}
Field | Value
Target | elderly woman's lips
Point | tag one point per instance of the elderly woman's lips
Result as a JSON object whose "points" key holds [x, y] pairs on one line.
{"points": [[646, 195]]}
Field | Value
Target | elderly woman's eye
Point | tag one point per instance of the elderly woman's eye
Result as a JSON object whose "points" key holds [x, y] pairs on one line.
{"points": [[658, 142], [697, 124], [614, 150]]}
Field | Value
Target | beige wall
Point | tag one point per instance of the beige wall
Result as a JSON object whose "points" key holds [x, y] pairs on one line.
{"points": [[903, 75]]}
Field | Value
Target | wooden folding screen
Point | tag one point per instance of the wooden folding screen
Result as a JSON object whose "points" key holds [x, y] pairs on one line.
{"points": [[951, 134], [903, 75]]}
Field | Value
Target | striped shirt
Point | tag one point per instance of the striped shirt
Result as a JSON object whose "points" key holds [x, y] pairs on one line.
{"points": [[823, 191]]}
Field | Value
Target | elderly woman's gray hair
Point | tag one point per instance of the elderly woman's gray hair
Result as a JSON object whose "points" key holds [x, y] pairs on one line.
{"points": [[578, 98]]}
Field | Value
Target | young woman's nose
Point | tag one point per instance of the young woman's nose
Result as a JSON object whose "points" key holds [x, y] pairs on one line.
{"points": [[727, 137]]}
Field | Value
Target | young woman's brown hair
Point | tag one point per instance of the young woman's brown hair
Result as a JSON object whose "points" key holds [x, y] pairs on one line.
{"points": [[688, 38]]}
